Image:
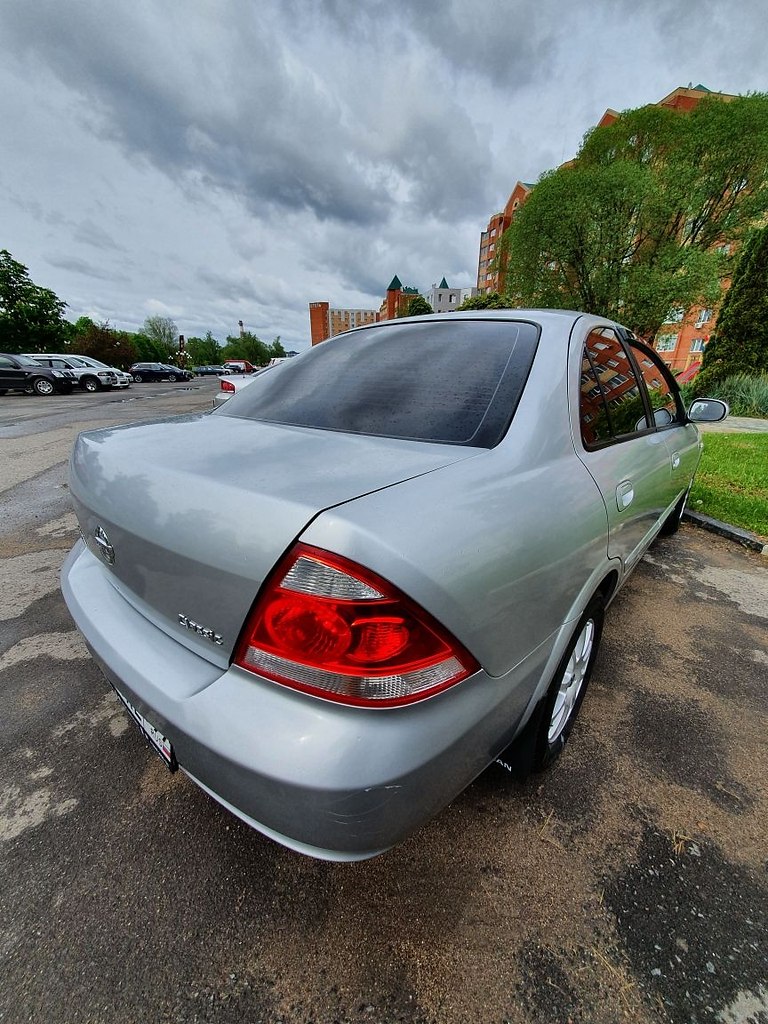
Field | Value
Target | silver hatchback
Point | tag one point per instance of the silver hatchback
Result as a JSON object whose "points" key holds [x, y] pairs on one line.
{"points": [[397, 574]]}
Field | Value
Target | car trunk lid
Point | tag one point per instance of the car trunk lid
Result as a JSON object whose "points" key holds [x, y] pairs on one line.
{"points": [[190, 515]]}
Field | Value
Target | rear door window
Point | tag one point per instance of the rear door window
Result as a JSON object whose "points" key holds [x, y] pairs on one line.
{"points": [[611, 406], [448, 381], [666, 405]]}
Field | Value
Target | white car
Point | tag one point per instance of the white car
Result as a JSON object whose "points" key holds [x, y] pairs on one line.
{"points": [[234, 382], [122, 379]]}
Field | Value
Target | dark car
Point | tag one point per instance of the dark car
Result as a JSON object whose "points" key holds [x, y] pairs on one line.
{"points": [[20, 373], [211, 371], [158, 371]]}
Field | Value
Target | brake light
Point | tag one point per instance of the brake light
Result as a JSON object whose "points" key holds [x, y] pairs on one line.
{"points": [[329, 627], [226, 385]]}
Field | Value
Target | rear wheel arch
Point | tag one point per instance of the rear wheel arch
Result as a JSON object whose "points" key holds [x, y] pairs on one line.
{"points": [[608, 587]]}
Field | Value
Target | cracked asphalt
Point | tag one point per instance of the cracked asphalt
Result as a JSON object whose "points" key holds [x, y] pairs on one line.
{"points": [[627, 884]]}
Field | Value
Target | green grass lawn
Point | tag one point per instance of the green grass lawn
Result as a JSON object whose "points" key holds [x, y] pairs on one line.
{"points": [[732, 481]]}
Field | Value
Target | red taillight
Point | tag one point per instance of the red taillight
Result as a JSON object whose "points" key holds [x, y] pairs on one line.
{"points": [[226, 385], [325, 625]]}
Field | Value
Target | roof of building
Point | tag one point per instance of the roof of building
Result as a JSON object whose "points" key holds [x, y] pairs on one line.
{"points": [[411, 291], [395, 284], [443, 283]]}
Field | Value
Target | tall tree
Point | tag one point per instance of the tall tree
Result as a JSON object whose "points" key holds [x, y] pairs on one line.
{"points": [[276, 349], [115, 348], [740, 343], [164, 333], [204, 351], [31, 317], [631, 227], [247, 346], [149, 350]]}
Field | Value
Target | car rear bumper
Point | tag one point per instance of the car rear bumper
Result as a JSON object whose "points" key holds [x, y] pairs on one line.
{"points": [[332, 781]]}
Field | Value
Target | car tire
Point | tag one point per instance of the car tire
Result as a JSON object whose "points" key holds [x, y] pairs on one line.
{"points": [[3, 391], [90, 384], [42, 386], [138, 378], [173, 378], [569, 684], [671, 524]]}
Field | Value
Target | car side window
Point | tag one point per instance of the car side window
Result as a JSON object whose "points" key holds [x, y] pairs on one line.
{"points": [[7, 362], [662, 391], [611, 406]]}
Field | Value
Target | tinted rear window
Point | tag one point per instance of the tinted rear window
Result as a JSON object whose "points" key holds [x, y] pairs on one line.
{"points": [[454, 382]]}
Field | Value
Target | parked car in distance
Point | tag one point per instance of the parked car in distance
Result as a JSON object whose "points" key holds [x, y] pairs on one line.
{"points": [[240, 366], [89, 378], [440, 511], [158, 371], [211, 371], [22, 373], [122, 379], [232, 383]]}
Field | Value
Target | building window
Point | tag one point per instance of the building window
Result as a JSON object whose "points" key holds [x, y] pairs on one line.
{"points": [[705, 315], [675, 316], [666, 343], [697, 345]]}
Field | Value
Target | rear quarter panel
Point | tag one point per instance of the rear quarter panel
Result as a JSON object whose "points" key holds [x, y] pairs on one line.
{"points": [[503, 548]]}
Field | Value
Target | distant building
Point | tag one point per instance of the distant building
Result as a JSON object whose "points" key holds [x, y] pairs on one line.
{"points": [[325, 322], [396, 301], [443, 299], [490, 276]]}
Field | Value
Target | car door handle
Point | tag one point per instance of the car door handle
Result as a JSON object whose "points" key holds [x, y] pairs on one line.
{"points": [[675, 460], [625, 494]]}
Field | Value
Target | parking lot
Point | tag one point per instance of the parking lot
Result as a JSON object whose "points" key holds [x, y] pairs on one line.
{"points": [[626, 884]]}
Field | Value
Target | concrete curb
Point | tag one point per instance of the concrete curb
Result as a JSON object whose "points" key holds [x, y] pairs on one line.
{"points": [[743, 537]]}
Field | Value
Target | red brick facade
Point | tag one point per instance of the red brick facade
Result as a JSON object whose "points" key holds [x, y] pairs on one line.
{"points": [[681, 341]]}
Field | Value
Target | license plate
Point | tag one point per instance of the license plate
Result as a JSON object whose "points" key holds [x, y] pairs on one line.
{"points": [[159, 743]]}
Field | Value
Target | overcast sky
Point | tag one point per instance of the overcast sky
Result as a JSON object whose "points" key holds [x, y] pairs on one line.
{"points": [[216, 161]]}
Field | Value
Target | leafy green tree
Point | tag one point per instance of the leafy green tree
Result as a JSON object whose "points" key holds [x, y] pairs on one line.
{"points": [[148, 350], [31, 317], [417, 306], [115, 348], [632, 226], [740, 343], [247, 346], [489, 300], [164, 333], [204, 351], [276, 350]]}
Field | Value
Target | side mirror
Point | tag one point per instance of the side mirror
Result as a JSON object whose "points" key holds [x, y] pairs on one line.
{"points": [[708, 410], [662, 417]]}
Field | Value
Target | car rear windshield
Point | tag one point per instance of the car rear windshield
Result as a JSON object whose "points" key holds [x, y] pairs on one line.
{"points": [[448, 381]]}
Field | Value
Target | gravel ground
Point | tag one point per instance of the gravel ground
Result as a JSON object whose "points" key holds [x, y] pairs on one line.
{"points": [[627, 884]]}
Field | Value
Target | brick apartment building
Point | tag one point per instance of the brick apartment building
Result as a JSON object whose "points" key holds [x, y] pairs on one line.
{"points": [[325, 322], [396, 300], [683, 338], [489, 277]]}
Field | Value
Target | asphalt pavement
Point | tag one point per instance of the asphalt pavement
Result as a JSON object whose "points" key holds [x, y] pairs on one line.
{"points": [[627, 884]]}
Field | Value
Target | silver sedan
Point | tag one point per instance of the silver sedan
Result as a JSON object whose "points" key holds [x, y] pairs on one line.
{"points": [[397, 575]]}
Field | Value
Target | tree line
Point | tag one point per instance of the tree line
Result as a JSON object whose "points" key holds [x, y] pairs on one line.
{"points": [[32, 320]]}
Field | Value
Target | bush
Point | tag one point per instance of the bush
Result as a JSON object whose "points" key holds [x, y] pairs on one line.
{"points": [[745, 393]]}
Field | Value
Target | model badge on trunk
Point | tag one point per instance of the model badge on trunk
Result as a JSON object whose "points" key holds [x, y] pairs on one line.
{"points": [[106, 550], [208, 634]]}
